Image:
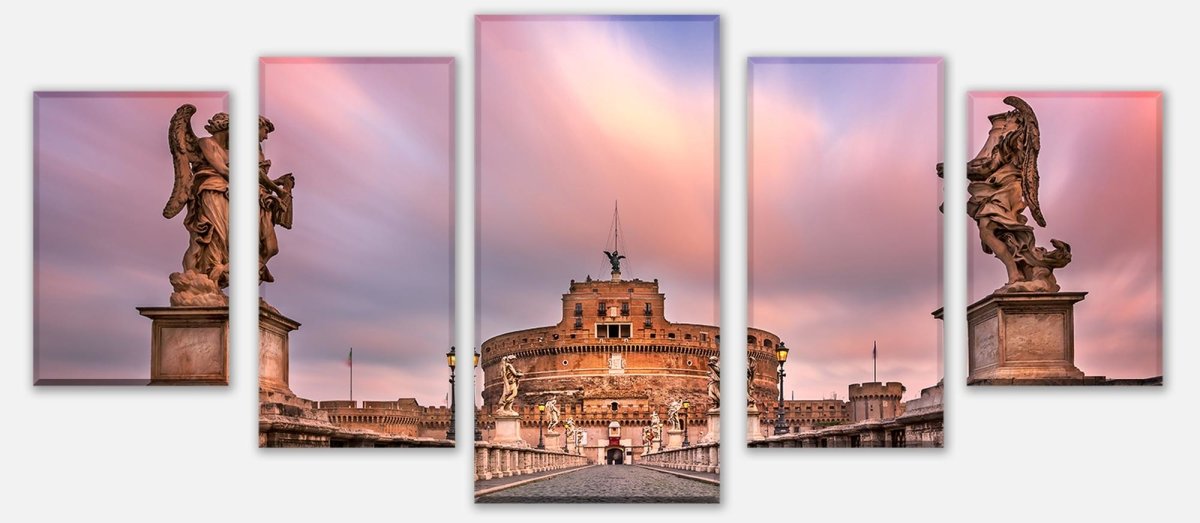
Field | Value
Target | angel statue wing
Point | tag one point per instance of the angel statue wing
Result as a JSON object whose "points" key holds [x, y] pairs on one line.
{"points": [[1031, 144], [185, 149]]}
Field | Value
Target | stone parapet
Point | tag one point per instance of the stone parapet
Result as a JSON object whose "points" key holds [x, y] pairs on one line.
{"points": [[705, 457], [494, 460], [920, 427]]}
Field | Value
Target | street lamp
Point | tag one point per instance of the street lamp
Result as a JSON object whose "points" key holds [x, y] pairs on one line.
{"points": [[478, 434], [450, 360], [781, 353], [541, 442], [686, 405]]}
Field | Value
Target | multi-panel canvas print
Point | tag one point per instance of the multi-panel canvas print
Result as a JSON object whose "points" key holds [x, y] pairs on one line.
{"points": [[1065, 238], [845, 252], [597, 164], [131, 238], [356, 170]]}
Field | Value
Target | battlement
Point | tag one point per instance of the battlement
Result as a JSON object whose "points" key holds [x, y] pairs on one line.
{"points": [[891, 389]]}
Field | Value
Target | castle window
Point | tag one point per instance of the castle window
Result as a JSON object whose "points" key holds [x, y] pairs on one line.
{"points": [[703, 336], [601, 309], [578, 324], [578, 310], [647, 324], [624, 308], [671, 335], [751, 340], [653, 335], [613, 330], [767, 343], [648, 311]]}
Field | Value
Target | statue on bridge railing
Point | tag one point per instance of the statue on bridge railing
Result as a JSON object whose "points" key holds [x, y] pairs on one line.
{"points": [[647, 437], [673, 414], [714, 382], [750, 381], [512, 380], [568, 431], [656, 425], [553, 412], [1004, 182]]}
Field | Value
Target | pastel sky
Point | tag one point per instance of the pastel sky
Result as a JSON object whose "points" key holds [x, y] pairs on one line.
{"points": [[101, 246], [368, 263], [575, 113], [1101, 192], [845, 241]]}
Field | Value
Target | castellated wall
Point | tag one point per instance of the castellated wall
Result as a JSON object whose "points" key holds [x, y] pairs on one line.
{"points": [[875, 400], [403, 417]]}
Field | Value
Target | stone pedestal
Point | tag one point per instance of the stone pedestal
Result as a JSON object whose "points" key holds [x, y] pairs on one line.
{"points": [[508, 429], [1024, 336], [674, 438], [713, 434], [554, 441], [753, 428], [188, 345], [273, 331]]}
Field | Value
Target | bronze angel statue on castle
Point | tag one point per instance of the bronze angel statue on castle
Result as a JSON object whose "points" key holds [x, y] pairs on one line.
{"points": [[1003, 182], [202, 187]]}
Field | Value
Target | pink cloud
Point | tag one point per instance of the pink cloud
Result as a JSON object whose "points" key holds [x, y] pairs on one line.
{"points": [[845, 240], [573, 115], [369, 262]]}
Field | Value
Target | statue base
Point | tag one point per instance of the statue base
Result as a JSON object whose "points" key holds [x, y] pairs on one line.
{"points": [[508, 430], [674, 439], [753, 427], [616, 276], [1023, 336], [655, 446], [188, 345], [553, 441], [713, 434], [273, 331]]}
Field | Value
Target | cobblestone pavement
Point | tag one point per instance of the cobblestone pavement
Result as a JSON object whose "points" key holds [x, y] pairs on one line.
{"points": [[609, 484]]}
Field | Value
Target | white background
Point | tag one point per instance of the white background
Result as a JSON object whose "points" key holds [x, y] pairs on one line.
{"points": [[190, 453]]}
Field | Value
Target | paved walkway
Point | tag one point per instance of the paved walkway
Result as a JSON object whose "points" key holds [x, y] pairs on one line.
{"points": [[609, 484]]}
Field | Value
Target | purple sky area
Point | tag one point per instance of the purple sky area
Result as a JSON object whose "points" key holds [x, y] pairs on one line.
{"points": [[102, 175], [1101, 192], [368, 263], [576, 113], [845, 242]]}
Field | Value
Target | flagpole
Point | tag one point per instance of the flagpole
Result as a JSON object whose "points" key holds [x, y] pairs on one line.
{"points": [[874, 361], [351, 374]]}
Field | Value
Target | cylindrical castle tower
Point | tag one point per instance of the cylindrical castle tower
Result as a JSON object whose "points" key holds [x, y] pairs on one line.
{"points": [[875, 400], [615, 357]]}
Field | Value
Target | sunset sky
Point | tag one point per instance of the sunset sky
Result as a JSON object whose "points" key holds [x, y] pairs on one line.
{"points": [[368, 263], [845, 243], [1100, 191], [102, 175], [576, 113]]}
